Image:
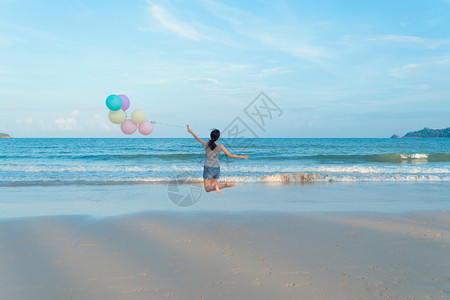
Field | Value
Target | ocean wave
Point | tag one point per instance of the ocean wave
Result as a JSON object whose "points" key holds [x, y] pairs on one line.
{"points": [[381, 158], [247, 169], [96, 168], [298, 177], [381, 170], [126, 157], [387, 158], [310, 178], [105, 157], [276, 178]]}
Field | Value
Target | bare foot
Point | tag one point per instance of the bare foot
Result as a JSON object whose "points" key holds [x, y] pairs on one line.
{"points": [[218, 189], [227, 184]]}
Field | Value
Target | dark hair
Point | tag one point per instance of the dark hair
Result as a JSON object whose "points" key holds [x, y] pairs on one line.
{"points": [[215, 135]]}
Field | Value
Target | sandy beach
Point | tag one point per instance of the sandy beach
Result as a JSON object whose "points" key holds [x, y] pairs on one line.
{"points": [[230, 255]]}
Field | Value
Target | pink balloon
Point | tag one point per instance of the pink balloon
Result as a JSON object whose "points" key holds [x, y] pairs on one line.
{"points": [[128, 127], [125, 101], [146, 128]]}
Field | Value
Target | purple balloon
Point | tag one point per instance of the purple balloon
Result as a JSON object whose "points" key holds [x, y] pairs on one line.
{"points": [[125, 101], [128, 127], [145, 128]]}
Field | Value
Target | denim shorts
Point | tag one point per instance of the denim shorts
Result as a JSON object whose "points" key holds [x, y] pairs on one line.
{"points": [[211, 173]]}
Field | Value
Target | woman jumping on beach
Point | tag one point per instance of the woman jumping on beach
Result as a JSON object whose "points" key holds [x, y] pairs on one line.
{"points": [[211, 169]]}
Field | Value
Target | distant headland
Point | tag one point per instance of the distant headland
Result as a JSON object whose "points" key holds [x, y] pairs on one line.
{"points": [[4, 135], [426, 133]]}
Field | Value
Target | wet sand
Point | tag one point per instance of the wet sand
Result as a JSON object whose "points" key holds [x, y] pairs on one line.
{"points": [[230, 255]]}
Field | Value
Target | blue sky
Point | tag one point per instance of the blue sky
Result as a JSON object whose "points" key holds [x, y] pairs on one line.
{"points": [[335, 68]]}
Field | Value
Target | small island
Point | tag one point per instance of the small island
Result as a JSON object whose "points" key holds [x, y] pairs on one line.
{"points": [[4, 135], [427, 133]]}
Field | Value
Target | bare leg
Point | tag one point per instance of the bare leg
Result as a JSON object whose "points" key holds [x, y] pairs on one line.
{"points": [[216, 186], [220, 186], [212, 185], [225, 185], [209, 186]]}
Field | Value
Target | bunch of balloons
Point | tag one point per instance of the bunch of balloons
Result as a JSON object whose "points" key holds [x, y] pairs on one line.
{"points": [[118, 104]]}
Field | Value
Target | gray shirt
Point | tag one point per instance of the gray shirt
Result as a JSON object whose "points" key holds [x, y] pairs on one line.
{"points": [[212, 156]]}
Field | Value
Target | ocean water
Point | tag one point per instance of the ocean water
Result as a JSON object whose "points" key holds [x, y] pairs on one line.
{"points": [[50, 162], [108, 177]]}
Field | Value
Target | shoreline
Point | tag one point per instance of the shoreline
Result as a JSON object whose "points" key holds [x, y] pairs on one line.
{"points": [[281, 179], [114, 200]]}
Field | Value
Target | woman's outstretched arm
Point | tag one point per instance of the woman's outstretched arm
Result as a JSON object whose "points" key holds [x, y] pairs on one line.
{"points": [[232, 155], [195, 136]]}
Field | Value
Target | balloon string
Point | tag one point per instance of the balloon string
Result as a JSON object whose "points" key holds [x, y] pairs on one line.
{"points": [[166, 124]]}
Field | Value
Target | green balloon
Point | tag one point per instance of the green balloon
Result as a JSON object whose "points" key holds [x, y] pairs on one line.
{"points": [[114, 102]]}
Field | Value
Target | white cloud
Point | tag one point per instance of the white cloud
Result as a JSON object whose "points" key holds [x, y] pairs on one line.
{"points": [[99, 122], [30, 124], [146, 81], [404, 71], [308, 121], [170, 23], [295, 47], [412, 40], [8, 40], [279, 37], [269, 72], [417, 87], [68, 124], [28, 120], [203, 81], [44, 125]]}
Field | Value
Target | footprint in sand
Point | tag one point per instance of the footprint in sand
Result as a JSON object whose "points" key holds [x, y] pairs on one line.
{"points": [[267, 271], [238, 269], [257, 282], [134, 291], [297, 284]]}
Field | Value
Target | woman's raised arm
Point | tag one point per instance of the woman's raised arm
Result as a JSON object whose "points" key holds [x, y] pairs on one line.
{"points": [[196, 137], [232, 155]]}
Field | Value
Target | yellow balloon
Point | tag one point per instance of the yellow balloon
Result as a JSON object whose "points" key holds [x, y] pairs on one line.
{"points": [[117, 117], [138, 116]]}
